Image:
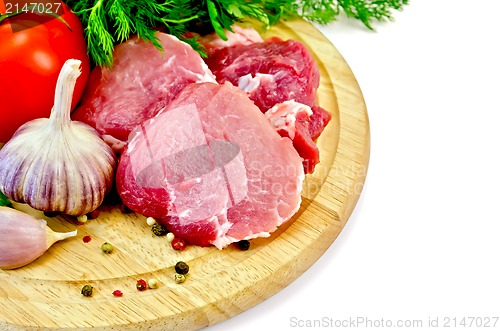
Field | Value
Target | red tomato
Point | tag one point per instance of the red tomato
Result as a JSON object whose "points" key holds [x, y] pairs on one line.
{"points": [[30, 60]]}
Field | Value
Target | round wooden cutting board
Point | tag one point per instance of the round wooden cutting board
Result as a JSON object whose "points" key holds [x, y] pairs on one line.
{"points": [[221, 283]]}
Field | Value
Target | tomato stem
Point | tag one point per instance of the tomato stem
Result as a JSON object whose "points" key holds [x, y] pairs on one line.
{"points": [[33, 9], [5, 16]]}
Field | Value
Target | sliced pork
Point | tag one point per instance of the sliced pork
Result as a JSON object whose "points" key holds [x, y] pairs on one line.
{"points": [[272, 72], [141, 82], [292, 119], [212, 168]]}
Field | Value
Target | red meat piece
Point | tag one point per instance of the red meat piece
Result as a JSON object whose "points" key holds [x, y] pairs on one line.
{"points": [[140, 83], [211, 172], [272, 72]]}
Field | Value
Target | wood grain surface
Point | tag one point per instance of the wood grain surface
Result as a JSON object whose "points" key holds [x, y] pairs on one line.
{"points": [[221, 283]]}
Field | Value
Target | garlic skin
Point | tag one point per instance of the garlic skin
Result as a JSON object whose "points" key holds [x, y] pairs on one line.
{"points": [[23, 238], [55, 164]]}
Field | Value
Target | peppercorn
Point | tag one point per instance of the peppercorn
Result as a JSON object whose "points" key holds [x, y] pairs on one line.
{"points": [[170, 237], [87, 290], [181, 267], [150, 221], [93, 214], [117, 293], [107, 248], [82, 219], [87, 239], [159, 230], [178, 244], [153, 283], [141, 285], [180, 278], [244, 245]]}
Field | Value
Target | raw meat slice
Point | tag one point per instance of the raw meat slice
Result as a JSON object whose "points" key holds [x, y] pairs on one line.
{"points": [[318, 121], [140, 83], [289, 67], [292, 119], [272, 72], [283, 116], [211, 168]]}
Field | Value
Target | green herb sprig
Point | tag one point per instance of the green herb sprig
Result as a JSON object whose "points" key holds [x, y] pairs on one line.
{"points": [[4, 201], [108, 22]]}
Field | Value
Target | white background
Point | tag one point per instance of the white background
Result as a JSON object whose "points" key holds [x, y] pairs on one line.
{"points": [[424, 239]]}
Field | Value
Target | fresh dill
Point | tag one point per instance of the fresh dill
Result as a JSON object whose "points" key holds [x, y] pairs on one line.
{"points": [[108, 22]]}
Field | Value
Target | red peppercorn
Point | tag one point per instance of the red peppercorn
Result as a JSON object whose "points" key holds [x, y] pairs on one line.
{"points": [[87, 239], [141, 285], [178, 244], [117, 293], [93, 215]]}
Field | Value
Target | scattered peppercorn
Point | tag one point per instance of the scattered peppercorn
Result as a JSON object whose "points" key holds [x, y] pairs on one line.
{"points": [[181, 267], [244, 245], [153, 283], [82, 219], [87, 239], [93, 215], [141, 285], [180, 278], [178, 244], [150, 221], [170, 237], [117, 293], [159, 230], [87, 290], [107, 248]]}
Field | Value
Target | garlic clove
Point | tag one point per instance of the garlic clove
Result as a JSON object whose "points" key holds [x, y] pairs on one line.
{"points": [[24, 238], [52, 237]]}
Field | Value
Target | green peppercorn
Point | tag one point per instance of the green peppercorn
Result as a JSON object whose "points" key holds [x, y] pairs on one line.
{"points": [[244, 245], [107, 247], [180, 278], [159, 229], [181, 267], [87, 290]]}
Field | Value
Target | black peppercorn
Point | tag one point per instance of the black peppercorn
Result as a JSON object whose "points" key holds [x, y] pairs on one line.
{"points": [[244, 245], [181, 268], [159, 229]]}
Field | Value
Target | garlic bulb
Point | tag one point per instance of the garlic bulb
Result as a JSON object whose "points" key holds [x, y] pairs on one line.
{"points": [[23, 238], [55, 164]]}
